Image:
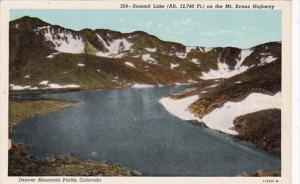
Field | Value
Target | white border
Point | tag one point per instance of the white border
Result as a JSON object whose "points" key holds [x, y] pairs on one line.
{"points": [[296, 91], [286, 86]]}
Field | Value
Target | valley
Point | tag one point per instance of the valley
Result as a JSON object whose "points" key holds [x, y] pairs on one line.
{"points": [[135, 85]]}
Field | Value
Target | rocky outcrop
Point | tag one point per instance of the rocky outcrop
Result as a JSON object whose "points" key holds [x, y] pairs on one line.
{"points": [[21, 163], [262, 128], [262, 173]]}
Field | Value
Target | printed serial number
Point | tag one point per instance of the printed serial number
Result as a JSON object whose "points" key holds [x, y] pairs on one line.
{"points": [[270, 181], [124, 6]]}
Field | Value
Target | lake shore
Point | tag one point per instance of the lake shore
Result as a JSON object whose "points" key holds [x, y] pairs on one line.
{"points": [[22, 163], [252, 128], [24, 109]]}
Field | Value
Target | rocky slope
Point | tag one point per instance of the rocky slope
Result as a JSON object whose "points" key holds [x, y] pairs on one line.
{"points": [[44, 56], [246, 105], [262, 128], [21, 163]]}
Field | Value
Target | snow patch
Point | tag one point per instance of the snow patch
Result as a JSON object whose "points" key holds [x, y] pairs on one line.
{"points": [[192, 81], [195, 60], [189, 49], [151, 49], [27, 76], [179, 107], [63, 41], [181, 55], [207, 49], [44, 82], [223, 71], [147, 57], [212, 86], [80, 64], [244, 54], [50, 56], [18, 87], [222, 118], [115, 47], [174, 65], [142, 86], [268, 59], [115, 79], [57, 86], [129, 64], [43, 27], [180, 84]]}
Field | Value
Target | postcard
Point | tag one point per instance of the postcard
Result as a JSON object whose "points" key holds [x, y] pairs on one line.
{"points": [[145, 91]]}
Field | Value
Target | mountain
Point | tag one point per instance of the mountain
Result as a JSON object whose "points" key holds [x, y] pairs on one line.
{"points": [[44, 56]]}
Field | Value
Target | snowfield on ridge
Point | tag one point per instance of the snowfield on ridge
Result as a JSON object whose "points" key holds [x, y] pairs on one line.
{"points": [[221, 119]]}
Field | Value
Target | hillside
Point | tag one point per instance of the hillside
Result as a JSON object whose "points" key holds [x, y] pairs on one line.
{"points": [[246, 105], [44, 57]]}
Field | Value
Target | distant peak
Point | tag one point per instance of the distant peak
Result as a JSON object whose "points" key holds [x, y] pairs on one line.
{"points": [[32, 21]]}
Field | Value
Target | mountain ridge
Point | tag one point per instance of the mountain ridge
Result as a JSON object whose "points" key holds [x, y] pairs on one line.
{"points": [[144, 58], [130, 33]]}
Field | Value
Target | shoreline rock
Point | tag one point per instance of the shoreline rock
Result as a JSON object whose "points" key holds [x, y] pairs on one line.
{"points": [[21, 163], [261, 173], [261, 128]]}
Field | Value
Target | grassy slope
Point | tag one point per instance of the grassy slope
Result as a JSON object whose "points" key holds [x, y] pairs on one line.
{"points": [[23, 109], [97, 73]]}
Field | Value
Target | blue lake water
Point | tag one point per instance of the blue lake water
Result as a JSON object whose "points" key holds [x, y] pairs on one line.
{"points": [[130, 127]]}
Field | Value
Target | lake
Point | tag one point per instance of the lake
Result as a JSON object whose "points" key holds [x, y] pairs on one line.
{"points": [[130, 127]]}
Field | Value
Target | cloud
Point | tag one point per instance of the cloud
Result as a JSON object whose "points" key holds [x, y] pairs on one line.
{"points": [[121, 19], [222, 33], [243, 28], [160, 25], [233, 32], [183, 22], [148, 24], [208, 34], [186, 21], [182, 26], [125, 29]]}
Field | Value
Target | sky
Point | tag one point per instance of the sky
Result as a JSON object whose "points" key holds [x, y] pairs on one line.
{"points": [[209, 28]]}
